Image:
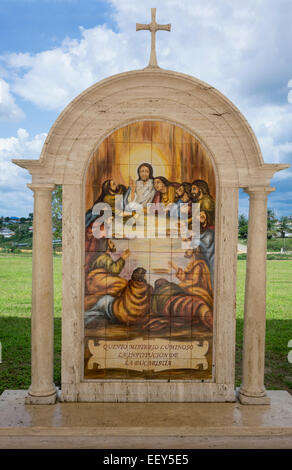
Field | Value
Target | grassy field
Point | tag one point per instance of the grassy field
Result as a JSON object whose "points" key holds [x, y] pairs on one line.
{"points": [[15, 306], [278, 371], [274, 244]]}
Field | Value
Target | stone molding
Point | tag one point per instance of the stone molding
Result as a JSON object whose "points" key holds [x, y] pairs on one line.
{"points": [[153, 94]]}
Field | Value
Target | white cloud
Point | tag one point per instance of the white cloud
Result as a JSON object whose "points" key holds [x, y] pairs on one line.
{"points": [[21, 145], [283, 175], [51, 79], [272, 125], [244, 52], [9, 111], [235, 49], [16, 198], [202, 33]]}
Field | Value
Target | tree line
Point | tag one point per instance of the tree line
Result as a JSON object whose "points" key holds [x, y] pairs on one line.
{"points": [[276, 227]]}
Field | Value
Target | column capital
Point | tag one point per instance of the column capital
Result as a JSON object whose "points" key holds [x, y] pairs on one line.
{"points": [[258, 191], [41, 186]]}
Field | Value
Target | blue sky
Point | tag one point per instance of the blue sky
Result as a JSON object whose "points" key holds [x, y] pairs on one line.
{"points": [[51, 50]]}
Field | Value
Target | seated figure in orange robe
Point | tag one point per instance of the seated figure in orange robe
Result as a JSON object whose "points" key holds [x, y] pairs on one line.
{"points": [[130, 307], [133, 305], [191, 299], [104, 277]]}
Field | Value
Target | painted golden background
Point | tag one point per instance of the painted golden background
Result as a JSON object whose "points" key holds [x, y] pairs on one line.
{"points": [[173, 153]]}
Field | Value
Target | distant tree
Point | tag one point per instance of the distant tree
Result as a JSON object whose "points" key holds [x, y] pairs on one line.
{"points": [[284, 226], [57, 213], [242, 226], [7, 219], [22, 220], [271, 224], [30, 216], [1, 221], [23, 232]]}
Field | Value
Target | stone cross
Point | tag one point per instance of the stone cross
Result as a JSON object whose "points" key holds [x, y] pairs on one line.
{"points": [[153, 27]]}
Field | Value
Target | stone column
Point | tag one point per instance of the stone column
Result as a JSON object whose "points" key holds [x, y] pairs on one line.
{"points": [[252, 390], [42, 389]]}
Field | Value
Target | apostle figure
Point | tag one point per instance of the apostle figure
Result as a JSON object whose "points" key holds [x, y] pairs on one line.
{"points": [[104, 276], [207, 241], [183, 202], [201, 194], [165, 191], [130, 307], [92, 246], [109, 192], [133, 305], [196, 274], [191, 300], [163, 290]]}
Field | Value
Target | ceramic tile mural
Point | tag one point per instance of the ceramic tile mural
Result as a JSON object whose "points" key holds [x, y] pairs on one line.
{"points": [[149, 256]]}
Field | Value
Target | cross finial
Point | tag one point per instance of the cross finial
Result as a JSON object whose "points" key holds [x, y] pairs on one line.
{"points": [[153, 27]]}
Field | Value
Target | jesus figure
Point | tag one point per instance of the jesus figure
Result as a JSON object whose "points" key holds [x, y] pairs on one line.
{"points": [[142, 192]]}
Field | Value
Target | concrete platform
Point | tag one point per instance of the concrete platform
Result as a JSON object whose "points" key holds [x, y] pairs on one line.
{"points": [[145, 425]]}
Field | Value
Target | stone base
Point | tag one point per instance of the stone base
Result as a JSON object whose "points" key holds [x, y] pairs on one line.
{"points": [[145, 425], [247, 400], [45, 400]]}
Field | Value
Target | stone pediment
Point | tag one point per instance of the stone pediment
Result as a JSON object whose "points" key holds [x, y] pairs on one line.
{"points": [[153, 94]]}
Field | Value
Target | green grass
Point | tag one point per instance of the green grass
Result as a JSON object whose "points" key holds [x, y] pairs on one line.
{"points": [[270, 256], [15, 308], [274, 244], [278, 371]]}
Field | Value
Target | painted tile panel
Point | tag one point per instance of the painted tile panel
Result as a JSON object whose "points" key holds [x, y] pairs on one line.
{"points": [[148, 275]]}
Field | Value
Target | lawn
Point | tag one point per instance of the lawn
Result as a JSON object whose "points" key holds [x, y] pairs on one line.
{"points": [[278, 371], [15, 307], [274, 244]]}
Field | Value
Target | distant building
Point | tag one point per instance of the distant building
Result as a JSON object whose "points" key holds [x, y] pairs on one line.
{"points": [[6, 233]]}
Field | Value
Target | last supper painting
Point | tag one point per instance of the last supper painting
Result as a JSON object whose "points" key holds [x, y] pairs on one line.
{"points": [[149, 314]]}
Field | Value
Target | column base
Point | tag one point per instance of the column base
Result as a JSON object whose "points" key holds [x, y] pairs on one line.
{"points": [[252, 400], [41, 400]]}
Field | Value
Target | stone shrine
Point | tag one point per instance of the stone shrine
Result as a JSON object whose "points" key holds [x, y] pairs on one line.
{"points": [[149, 316]]}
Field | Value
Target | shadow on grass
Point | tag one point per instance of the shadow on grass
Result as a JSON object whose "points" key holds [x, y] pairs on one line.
{"points": [[16, 355], [15, 366]]}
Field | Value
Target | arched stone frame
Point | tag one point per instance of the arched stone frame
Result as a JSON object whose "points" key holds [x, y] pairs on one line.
{"points": [[211, 157], [204, 112]]}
